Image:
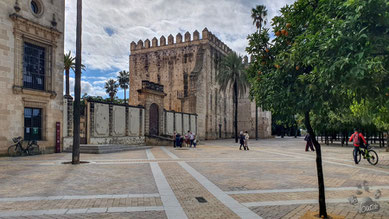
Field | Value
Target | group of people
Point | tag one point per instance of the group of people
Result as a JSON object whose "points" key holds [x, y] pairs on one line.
{"points": [[189, 139], [357, 138], [244, 140]]}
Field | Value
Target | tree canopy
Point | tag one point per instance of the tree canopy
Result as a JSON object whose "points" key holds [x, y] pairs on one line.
{"points": [[326, 57]]}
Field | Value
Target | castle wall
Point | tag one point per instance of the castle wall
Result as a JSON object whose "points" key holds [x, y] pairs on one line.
{"points": [[16, 29], [187, 68]]}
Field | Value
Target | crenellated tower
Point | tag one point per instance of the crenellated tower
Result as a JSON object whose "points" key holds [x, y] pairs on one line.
{"points": [[187, 66]]}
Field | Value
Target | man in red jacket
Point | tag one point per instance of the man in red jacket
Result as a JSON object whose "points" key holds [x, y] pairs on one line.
{"points": [[356, 138]]}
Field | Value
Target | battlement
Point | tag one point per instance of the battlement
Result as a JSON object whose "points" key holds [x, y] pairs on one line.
{"points": [[207, 37]]}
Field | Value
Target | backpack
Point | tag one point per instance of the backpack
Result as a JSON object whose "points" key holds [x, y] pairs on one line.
{"points": [[356, 139]]}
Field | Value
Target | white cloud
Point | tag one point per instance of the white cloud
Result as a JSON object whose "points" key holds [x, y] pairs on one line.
{"points": [[133, 20], [86, 87]]}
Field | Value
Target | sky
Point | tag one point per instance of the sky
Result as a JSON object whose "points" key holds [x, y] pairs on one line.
{"points": [[109, 26]]}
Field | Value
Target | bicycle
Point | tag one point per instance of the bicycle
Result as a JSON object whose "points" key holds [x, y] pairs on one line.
{"points": [[367, 153], [18, 150]]}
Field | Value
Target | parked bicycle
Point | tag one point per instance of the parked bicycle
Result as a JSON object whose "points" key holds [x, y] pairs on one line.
{"points": [[18, 150], [367, 153]]}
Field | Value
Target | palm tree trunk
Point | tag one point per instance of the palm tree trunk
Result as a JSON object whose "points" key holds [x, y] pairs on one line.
{"points": [[236, 111], [125, 96], [319, 167], [67, 82], [77, 88]]}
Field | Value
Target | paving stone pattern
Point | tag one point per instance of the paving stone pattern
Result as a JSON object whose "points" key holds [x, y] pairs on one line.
{"points": [[267, 181]]}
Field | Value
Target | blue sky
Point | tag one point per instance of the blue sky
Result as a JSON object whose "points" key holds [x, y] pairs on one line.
{"points": [[109, 26]]}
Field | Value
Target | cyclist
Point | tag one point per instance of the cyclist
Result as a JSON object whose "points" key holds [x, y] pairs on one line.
{"points": [[356, 138]]}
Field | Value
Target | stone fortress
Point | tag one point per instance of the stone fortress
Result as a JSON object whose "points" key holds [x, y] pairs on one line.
{"points": [[187, 69]]}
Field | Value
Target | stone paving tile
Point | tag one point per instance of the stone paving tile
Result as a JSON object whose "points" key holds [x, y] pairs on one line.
{"points": [[220, 152], [279, 164], [243, 198], [137, 215], [186, 188], [76, 180], [135, 154], [159, 154], [296, 211], [81, 203]]}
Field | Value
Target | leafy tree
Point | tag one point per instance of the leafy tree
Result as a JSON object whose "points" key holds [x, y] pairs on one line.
{"points": [[325, 56], [111, 88], [232, 75], [124, 79]]}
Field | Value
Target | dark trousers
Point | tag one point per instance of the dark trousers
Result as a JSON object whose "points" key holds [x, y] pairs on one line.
{"points": [[355, 153], [174, 143], [309, 145], [191, 142], [241, 144]]}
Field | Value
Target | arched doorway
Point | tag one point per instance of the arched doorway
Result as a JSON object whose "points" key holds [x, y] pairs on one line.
{"points": [[154, 120]]}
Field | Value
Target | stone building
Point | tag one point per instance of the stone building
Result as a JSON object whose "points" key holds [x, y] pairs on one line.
{"points": [[187, 68], [31, 70]]}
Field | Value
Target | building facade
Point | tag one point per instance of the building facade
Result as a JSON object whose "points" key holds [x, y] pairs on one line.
{"points": [[31, 71], [187, 68]]}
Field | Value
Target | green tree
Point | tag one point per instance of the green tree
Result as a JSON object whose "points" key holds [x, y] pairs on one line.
{"points": [[325, 56], [111, 88], [258, 14], [232, 75], [68, 64], [124, 79]]}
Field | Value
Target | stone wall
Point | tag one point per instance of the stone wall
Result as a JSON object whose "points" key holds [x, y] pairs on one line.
{"points": [[112, 124], [187, 69], [16, 28], [180, 122], [123, 124]]}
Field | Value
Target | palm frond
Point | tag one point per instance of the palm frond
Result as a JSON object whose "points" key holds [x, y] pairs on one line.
{"points": [[231, 71]]}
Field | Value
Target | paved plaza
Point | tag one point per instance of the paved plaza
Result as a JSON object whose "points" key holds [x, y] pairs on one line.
{"points": [[276, 178]]}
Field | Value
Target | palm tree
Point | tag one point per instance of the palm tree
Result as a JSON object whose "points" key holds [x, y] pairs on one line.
{"points": [[232, 74], [124, 79], [68, 64], [258, 15], [77, 88], [111, 88]]}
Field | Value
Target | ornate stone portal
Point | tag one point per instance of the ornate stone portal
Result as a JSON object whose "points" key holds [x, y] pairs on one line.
{"points": [[151, 96]]}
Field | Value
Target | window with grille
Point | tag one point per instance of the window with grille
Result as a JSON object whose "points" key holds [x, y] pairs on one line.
{"points": [[34, 66], [32, 124]]}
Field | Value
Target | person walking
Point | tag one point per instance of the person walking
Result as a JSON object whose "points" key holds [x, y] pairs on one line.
{"points": [[187, 137], [309, 144], [178, 140], [194, 140], [246, 140], [241, 140], [357, 139], [174, 139], [191, 138]]}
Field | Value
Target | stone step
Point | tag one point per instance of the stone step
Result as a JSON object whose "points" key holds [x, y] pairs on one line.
{"points": [[108, 148]]}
